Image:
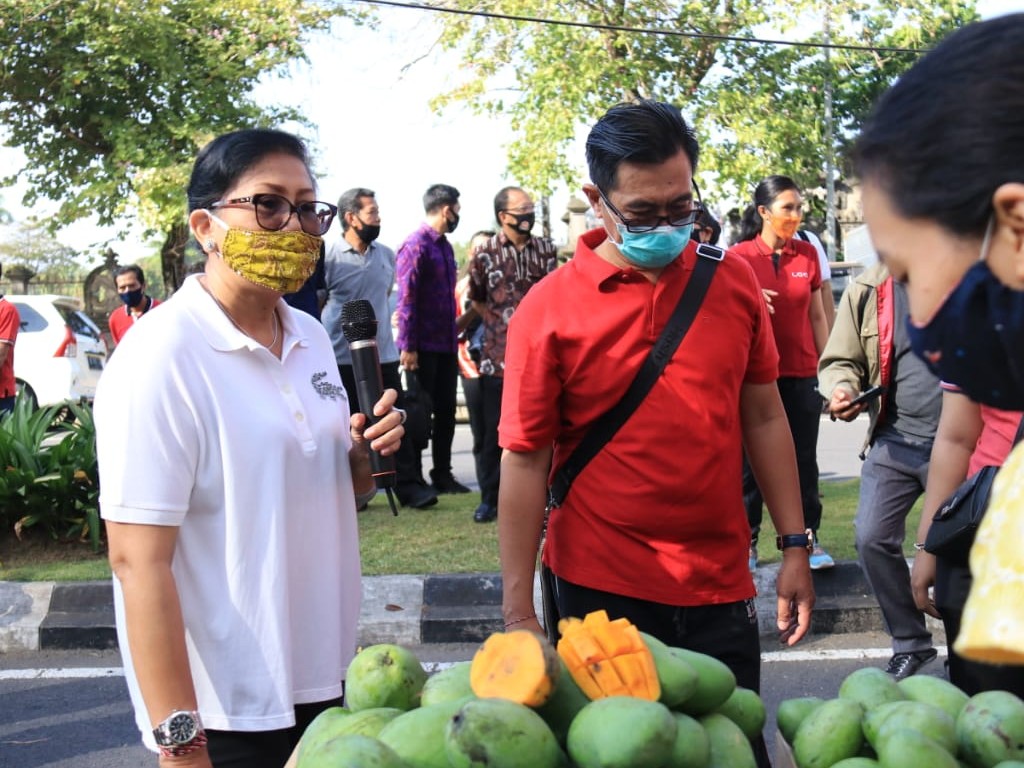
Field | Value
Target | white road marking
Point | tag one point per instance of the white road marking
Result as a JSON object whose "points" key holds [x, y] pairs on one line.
{"points": [[768, 657]]}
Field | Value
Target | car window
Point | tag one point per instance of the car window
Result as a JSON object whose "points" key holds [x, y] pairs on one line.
{"points": [[31, 321], [82, 325]]}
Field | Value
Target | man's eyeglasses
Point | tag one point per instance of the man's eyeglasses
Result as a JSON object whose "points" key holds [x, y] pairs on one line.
{"points": [[273, 212], [678, 218]]}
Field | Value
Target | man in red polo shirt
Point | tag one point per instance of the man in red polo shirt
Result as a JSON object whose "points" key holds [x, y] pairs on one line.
{"points": [[131, 289], [9, 325], [654, 527]]}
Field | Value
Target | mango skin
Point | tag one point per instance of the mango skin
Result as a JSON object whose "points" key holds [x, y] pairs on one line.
{"points": [[935, 691], [730, 748], [323, 728], [384, 675], [677, 677], [351, 749], [366, 722], [745, 708], [498, 733], [925, 719], [693, 747], [904, 747], [418, 736], [829, 734], [622, 732], [451, 684], [857, 762], [715, 682], [564, 704], [869, 687], [990, 729], [792, 712]]}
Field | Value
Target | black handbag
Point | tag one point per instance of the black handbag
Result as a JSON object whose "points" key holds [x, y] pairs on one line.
{"points": [[956, 521], [605, 427]]}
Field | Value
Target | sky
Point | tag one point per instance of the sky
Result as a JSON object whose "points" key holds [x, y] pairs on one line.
{"points": [[366, 93]]}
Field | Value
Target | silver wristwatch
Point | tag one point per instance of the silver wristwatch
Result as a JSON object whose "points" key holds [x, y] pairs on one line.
{"points": [[179, 729]]}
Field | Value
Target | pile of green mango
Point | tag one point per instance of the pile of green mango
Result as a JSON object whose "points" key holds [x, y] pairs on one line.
{"points": [[919, 722], [398, 717]]}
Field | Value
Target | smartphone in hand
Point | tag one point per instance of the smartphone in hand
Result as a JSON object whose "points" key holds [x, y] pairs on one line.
{"points": [[867, 396]]}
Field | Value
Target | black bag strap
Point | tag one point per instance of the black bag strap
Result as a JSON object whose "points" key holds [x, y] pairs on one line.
{"points": [[1020, 431], [602, 430]]}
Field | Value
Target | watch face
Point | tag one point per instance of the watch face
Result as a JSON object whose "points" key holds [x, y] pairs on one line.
{"points": [[182, 728]]}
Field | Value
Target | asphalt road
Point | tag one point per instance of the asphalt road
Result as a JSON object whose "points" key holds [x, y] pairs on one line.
{"points": [[50, 718]]}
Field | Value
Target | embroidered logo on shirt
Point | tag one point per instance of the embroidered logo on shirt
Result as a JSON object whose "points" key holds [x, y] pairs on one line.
{"points": [[326, 389]]}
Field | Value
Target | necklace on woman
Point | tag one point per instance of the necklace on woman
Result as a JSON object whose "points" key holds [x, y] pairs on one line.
{"points": [[275, 319]]}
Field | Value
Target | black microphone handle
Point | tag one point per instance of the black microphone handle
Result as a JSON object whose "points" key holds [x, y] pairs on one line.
{"points": [[369, 388]]}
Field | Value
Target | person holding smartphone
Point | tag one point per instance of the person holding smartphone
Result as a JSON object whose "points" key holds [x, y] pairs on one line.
{"points": [[868, 352]]}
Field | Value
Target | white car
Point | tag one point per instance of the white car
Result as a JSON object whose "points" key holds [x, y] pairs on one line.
{"points": [[59, 353]]}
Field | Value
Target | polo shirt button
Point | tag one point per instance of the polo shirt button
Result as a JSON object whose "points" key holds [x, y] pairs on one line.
{"points": [[299, 416]]}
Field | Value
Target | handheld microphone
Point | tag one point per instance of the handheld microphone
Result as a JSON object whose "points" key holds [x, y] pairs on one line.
{"points": [[359, 326]]}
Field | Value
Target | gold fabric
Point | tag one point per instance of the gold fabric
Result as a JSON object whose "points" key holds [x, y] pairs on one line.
{"points": [[281, 261]]}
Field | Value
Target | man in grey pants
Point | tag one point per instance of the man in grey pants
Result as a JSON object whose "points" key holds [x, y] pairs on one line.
{"points": [[868, 347]]}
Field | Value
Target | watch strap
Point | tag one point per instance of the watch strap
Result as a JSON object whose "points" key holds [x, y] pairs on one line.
{"points": [[803, 540], [185, 749]]}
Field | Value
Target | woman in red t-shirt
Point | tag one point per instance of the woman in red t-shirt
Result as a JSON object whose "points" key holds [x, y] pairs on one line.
{"points": [[789, 273]]}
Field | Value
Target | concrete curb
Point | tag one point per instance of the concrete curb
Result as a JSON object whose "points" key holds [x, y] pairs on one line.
{"points": [[410, 610]]}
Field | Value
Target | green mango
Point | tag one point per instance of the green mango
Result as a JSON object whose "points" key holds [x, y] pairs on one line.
{"points": [[451, 684], [418, 736], [692, 748], [715, 682], [384, 675], [622, 732], [904, 748], [498, 733], [745, 708], [935, 691], [990, 729], [829, 734], [730, 748], [792, 712], [352, 750], [869, 687], [677, 677]]}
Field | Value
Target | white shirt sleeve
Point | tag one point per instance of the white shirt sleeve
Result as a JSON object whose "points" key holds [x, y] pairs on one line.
{"points": [[810, 237]]}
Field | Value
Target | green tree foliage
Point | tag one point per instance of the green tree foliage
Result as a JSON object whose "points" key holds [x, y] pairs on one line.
{"points": [[31, 244], [758, 107], [110, 99]]}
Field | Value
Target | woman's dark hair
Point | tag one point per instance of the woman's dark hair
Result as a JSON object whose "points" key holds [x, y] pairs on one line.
{"points": [[221, 162], [765, 193], [645, 132], [951, 130], [706, 221]]}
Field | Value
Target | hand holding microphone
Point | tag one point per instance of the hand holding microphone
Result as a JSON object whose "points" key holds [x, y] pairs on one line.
{"points": [[359, 326]]}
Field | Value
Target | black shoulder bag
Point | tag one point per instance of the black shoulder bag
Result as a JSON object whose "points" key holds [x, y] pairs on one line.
{"points": [[602, 430], [956, 521]]}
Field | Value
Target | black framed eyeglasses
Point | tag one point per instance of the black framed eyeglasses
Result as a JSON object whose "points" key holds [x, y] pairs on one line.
{"points": [[679, 218], [273, 212]]}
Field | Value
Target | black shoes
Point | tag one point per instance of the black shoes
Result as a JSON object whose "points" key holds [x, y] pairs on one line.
{"points": [[417, 495], [446, 483], [485, 513], [903, 665]]}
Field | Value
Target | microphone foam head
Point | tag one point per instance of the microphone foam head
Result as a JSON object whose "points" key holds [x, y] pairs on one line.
{"points": [[358, 322]]}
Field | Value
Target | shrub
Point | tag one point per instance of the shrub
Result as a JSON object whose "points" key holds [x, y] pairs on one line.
{"points": [[48, 474]]}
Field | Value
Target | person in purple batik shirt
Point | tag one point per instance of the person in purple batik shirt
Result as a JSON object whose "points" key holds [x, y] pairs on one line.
{"points": [[427, 337]]}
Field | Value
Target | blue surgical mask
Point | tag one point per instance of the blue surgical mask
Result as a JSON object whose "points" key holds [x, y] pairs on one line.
{"points": [[976, 339], [654, 249]]}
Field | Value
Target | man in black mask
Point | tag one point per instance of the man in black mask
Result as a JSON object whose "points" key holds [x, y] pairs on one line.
{"points": [[358, 267], [500, 274]]}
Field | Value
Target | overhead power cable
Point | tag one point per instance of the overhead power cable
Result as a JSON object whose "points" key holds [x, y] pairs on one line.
{"points": [[640, 30]]}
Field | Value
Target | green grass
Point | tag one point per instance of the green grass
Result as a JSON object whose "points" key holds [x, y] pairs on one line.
{"points": [[442, 539]]}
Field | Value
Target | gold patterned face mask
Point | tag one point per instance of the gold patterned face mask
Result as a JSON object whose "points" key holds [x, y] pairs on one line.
{"points": [[281, 261]]}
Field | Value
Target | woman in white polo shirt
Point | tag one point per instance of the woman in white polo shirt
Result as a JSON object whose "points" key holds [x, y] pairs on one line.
{"points": [[230, 475]]}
